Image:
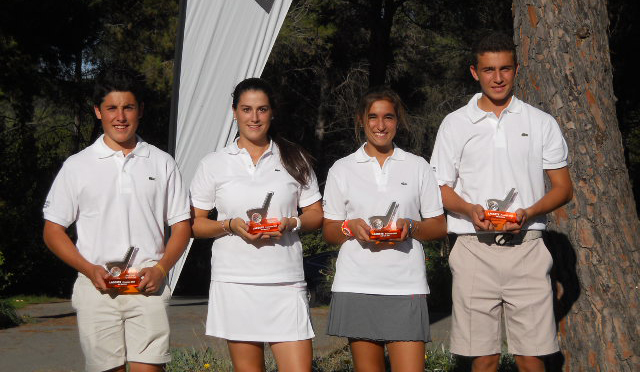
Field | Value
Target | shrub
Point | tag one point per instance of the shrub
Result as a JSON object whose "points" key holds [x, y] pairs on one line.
{"points": [[8, 316]]}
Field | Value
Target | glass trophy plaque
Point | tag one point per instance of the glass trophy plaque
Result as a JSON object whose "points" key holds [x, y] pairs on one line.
{"points": [[258, 221], [122, 276], [384, 227], [496, 210]]}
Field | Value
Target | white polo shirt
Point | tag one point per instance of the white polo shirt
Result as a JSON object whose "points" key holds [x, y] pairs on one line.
{"points": [[229, 181], [118, 202], [357, 187], [482, 157]]}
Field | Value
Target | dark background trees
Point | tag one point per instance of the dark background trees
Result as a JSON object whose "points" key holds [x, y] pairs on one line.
{"points": [[327, 53]]}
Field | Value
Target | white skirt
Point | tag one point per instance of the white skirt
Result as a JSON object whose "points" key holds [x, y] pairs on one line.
{"points": [[273, 312]]}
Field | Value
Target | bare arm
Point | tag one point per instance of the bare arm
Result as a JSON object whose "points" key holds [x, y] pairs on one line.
{"points": [[560, 194], [332, 231], [57, 240], [430, 228], [454, 203], [154, 276]]}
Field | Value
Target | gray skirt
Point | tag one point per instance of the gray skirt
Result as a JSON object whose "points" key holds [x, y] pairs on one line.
{"points": [[379, 317]]}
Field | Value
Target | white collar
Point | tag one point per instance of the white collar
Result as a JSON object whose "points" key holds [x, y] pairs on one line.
{"points": [[476, 114], [104, 151], [362, 156]]}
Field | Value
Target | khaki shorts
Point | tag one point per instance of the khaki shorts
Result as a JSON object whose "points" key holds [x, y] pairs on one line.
{"points": [[491, 281], [121, 328]]}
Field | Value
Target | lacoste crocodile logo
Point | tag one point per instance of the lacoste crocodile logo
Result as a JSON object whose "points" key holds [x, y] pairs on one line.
{"points": [[525, 134], [403, 183], [152, 179]]}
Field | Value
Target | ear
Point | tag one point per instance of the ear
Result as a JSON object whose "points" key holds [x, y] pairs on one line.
{"points": [[474, 73], [96, 109], [517, 69]]}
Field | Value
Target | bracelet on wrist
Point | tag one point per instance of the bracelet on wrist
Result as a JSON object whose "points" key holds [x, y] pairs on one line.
{"points": [[411, 226], [164, 272], [298, 224], [345, 229], [231, 232], [224, 228]]}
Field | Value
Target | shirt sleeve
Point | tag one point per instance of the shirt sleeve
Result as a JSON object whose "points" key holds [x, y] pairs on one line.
{"points": [[554, 148], [310, 193], [61, 204], [430, 199], [177, 198], [203, 188], [334, 202], [445, 158]]}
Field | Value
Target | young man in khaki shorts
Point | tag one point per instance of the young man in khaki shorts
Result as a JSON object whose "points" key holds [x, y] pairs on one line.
{"points": [[120, 192], [494, 144]]}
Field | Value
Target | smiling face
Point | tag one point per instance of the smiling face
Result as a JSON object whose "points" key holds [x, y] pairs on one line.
{"points": [[496, 72], [380, 126], [253, 113], [119, 113]]}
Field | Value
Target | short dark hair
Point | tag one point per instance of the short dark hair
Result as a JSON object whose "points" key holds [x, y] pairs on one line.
{"points": [[379, 93], [117, 80], [494, 42]]}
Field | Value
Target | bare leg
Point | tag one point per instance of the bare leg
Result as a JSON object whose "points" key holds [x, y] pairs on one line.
{"points": [[122, 368], [529, 363], [246, 356], [486, 363], [144, 367], [406, 356], [368, 356], [293, 356]]}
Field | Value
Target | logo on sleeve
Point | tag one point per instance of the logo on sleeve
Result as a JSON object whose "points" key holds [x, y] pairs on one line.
{"points": [[277, 170]]}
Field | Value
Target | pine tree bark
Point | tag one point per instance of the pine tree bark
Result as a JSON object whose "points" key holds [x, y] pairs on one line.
{"points": [[565, 70]]}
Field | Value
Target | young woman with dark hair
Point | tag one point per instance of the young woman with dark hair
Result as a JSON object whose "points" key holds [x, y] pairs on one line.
{"points": [[258, 293], [380, 287]]}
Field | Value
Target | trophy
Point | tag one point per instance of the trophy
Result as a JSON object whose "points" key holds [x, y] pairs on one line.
{"points": [[384, 227], [121, 275], [258, 221], [496, 210]]}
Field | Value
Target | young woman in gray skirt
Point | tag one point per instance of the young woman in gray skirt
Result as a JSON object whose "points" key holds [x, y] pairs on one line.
{"points": [[380, 286]]}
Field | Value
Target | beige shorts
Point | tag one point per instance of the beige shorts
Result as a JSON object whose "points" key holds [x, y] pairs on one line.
{"points": [[121, 328], [491, 281]]}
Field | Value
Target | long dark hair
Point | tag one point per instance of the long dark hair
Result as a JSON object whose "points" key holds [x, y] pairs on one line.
{"points": [[295, 159]]}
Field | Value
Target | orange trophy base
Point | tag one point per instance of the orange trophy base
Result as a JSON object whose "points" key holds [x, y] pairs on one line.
{"points": [[499, 218], [385, 234], [266, 225], [125, 283]]}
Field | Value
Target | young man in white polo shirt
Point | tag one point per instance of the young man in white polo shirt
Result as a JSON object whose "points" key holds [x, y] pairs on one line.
{"points": [[120, 192], [483, 150]]}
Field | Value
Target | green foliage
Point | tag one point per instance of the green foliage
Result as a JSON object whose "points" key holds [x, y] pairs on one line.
{"points": [[8, 316], [312, 243], [438, 275]]}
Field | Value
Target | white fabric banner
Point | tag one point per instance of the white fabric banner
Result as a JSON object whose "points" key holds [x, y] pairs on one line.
{"points": [[225, 41]]}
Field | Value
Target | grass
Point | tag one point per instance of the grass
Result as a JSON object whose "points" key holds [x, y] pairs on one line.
{"points": [[21, 301], [436, 360]]}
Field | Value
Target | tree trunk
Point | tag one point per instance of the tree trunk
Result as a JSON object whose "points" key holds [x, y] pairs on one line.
{"points": [[381, 13], [565, 70]]}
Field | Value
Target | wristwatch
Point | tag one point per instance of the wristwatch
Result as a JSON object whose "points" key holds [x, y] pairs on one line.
{"points": [[298, 224]]}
